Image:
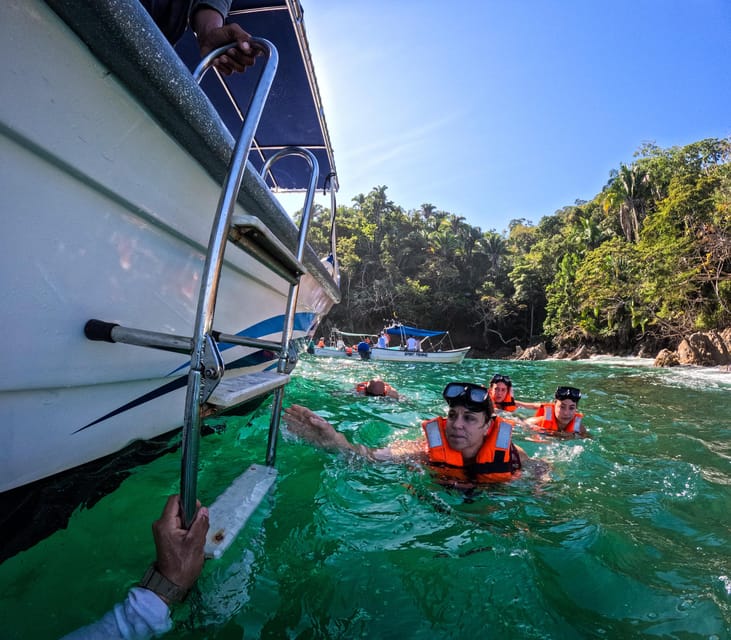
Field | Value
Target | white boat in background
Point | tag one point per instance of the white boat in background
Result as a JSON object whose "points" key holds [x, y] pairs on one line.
{"points": [[398, 353], [450, 356], [113, 163]]}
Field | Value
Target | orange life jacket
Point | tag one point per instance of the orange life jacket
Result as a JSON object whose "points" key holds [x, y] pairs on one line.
{"points": [[497, 460], [506, 405], [549, 420], [362, 387]]}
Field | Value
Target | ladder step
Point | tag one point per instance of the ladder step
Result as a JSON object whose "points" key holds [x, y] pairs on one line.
{"points": [[252, 235], [232, 509], [233, 391]]}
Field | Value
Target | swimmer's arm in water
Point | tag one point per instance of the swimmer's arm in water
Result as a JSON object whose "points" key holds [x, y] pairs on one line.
{"points": [[315, 429], [517, 421], [527, 405]]}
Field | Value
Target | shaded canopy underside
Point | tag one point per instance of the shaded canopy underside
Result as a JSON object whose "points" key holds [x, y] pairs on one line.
{"points": [[293, 114]]}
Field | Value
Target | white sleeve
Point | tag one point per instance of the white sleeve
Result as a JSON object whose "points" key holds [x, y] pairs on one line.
{"points": [[142, 615]]}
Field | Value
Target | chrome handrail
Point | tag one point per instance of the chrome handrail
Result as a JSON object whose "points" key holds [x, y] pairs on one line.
{"points": [[212, 271], [309, 195], [288, 328]]}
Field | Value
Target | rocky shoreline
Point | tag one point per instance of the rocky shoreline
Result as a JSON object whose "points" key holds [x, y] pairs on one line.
{"points": [[702, 349]]}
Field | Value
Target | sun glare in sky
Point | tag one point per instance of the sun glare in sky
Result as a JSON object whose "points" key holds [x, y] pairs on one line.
{"points": [[496, 110]]}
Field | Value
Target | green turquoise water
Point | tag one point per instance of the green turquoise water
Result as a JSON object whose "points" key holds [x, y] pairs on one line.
{"points": [[630, 538]]}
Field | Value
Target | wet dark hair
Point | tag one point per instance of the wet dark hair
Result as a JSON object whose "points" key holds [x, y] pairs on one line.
{"points": [[375, 388], [498, 377]]}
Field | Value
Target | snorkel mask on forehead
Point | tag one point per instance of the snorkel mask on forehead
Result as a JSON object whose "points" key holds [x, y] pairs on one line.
{"points": [[473, 396], [498, 377], [568, 393]]}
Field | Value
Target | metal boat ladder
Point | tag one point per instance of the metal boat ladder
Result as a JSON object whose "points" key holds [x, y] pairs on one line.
{"points": [[207, 392]]}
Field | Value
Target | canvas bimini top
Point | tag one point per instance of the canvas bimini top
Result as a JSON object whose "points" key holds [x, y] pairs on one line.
{"points": [[293, 114], [405, 330]]}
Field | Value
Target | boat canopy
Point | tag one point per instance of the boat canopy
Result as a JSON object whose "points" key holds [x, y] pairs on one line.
{"points": [[293, 114], [405, 330], [397, 330]]}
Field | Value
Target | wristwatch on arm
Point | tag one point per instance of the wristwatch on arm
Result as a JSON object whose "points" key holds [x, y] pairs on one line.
{"points": [[159, 584]]}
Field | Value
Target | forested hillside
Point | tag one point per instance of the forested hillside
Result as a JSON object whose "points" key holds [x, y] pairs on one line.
{"points": [[647, 260]]}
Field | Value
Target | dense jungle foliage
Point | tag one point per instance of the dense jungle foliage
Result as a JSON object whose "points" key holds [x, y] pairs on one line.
{"points": [[646, 261]]}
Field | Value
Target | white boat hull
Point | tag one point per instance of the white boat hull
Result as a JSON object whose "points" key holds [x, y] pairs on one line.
{"points": [[451, 356], [104, 216]]}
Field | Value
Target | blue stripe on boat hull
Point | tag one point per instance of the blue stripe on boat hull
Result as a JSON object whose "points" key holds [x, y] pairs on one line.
{"points": [[266, 327]]}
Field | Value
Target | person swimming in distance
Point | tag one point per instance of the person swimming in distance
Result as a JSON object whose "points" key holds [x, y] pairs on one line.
{"points": [[376, 387], [501, 393], [561, 418]]}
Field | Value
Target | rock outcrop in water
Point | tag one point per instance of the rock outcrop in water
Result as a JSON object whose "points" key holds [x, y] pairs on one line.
{"points": [[536, 352], [666, 358], [703, 349], [582, 353]]}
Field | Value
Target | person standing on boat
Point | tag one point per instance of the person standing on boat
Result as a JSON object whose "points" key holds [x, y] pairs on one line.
{"points": [[501, 393], [561, 418], [146, 611], [412, 344], [468, 446], [382, 341], [207, 20], [364, 349]]}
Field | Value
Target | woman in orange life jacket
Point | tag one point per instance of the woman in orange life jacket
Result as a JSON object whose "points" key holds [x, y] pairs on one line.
{"points": [[560, 418], [501, 394], [470, 445], [376, 387]]}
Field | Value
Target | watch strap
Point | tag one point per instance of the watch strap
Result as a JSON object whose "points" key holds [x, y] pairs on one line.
{"points": [[159, 584]]}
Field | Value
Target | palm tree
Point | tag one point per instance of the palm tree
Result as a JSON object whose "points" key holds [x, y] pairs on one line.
{"points": [[444, 244], [358, 200], [427, 210], [495, 247], [626, 192], [591, 234]]}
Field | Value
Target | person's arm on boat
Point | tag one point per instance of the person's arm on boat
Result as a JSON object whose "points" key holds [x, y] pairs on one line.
{"points": [[207, 19], [145, 612], [315, 429]]}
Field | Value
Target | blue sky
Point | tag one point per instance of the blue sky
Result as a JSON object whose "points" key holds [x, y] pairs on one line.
{"points": [[503, 109]]}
